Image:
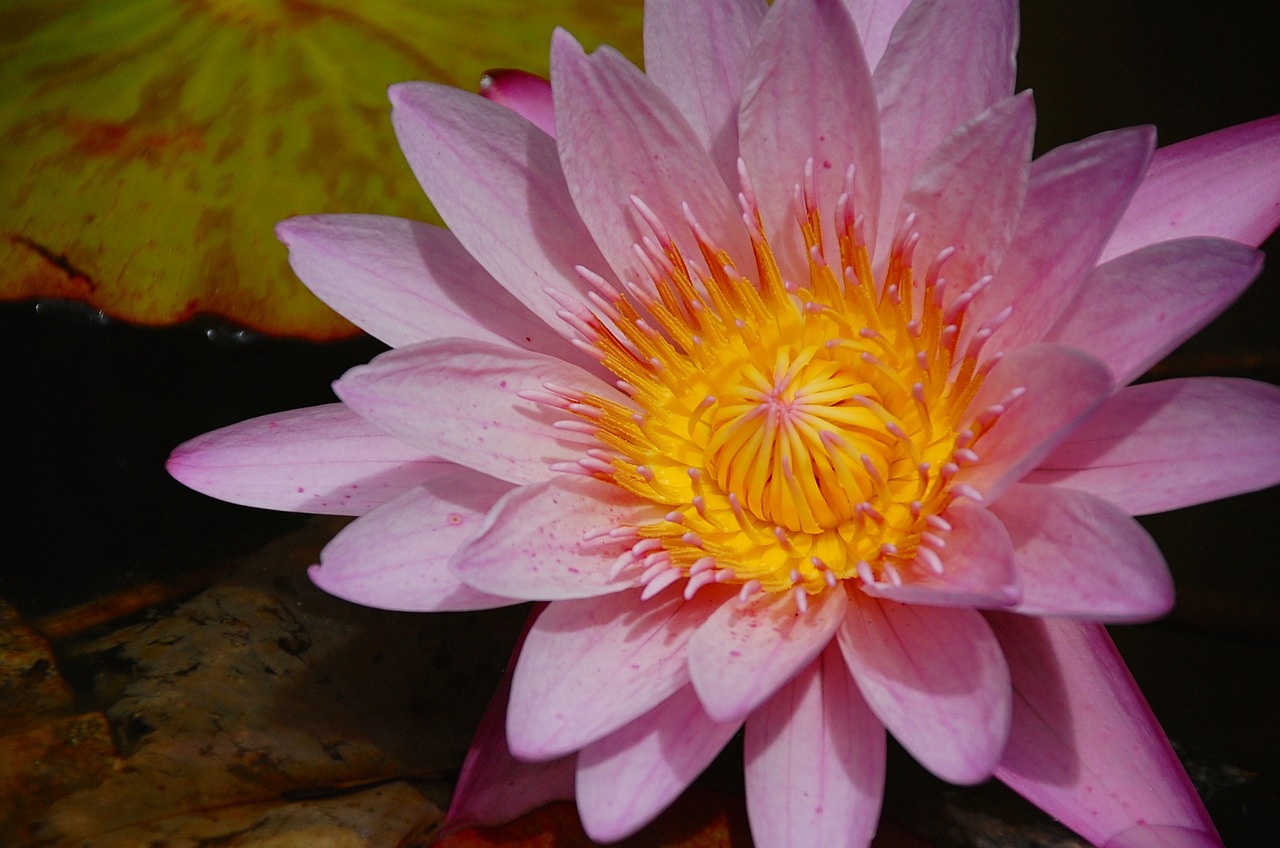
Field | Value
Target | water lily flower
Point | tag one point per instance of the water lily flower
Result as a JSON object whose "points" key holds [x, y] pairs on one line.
{"points": [[799, 392]]}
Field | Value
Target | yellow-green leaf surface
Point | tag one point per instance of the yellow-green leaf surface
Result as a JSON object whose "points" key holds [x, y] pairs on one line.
{"points": [[147, 147]]}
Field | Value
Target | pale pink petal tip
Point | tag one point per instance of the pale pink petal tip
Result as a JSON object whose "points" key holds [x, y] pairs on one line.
{"points": [[785, 118], [814, 757], [619, 136], [1224, 184], [936, 678], [1040, 393], [1075, 195], [489, 427], [405, 282], [480, 163], [936, 75], [322, 459], [743, 652], [704, 84], [977, 566], [533, 544], [1078, 555], [1174, 443], [593, 665], [396, 557], [1134, 310], [1085, 747], [630, 776], [395, 279]]}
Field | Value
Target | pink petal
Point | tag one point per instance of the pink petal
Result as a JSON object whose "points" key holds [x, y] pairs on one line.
{"points": [[808, 95], [620, 136], [1222, 184], [744, 652], [696, 53], [875, 20], [1076, 195], [397, 556], [591, 666], [458, 399], [977, 562], [815, 762], [526, 94], [968, 193], [1078, 555], [494, 787], [405, 282], [630, 776], [935, 76], [1062, 386], [532, 546], [1160, 836], [324, 459], [937, 680], [496, 180], [1084, 746], [1139, 307], [1160, 446]]}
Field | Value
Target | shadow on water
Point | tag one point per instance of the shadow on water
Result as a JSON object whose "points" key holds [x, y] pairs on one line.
{"points": [[93, 407]]}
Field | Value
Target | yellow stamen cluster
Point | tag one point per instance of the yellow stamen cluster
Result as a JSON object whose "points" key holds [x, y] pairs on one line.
{"points": [[797, 435]]}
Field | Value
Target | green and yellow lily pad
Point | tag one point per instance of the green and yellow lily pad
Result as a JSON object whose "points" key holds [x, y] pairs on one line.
{"points": [[148, 147]]}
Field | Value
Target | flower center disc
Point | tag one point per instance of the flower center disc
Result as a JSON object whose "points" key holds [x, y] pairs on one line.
{"points": [[794, 443], [795, 435]]}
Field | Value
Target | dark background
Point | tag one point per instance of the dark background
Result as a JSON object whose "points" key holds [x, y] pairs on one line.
{"points": [[91, 407]]}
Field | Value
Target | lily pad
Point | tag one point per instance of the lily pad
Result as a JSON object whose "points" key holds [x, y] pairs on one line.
{"points": [[147, 148]]}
